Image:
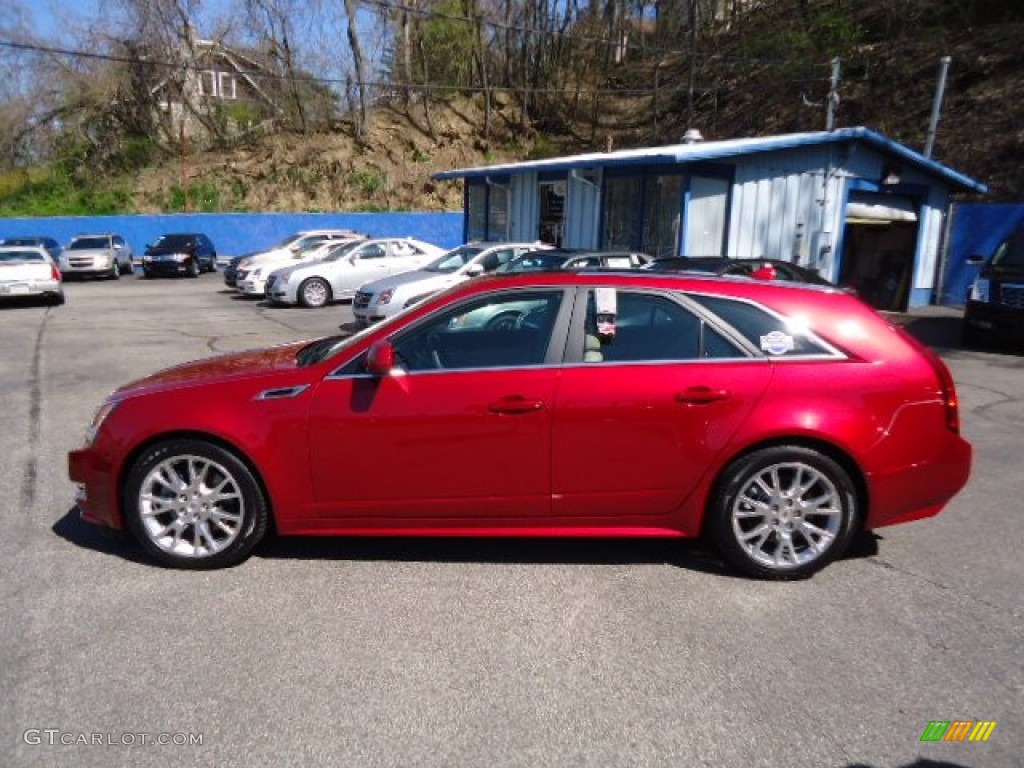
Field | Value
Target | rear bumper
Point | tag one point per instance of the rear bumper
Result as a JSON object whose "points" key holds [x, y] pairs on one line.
{"points": [[922, 489], [18, 289]]}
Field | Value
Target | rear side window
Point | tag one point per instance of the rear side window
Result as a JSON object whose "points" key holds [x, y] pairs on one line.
{"points": [[766, 331]]}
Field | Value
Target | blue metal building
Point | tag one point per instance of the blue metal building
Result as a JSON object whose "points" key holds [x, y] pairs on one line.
{"points": [[859, 208]]}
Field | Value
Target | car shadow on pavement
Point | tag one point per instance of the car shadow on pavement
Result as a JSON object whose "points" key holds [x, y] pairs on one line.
{"points": [[72, 528], [921, 762], [687, 554]]}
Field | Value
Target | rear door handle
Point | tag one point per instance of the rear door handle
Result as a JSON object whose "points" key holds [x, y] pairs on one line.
{"points": [[701, 395], [515, 404]]}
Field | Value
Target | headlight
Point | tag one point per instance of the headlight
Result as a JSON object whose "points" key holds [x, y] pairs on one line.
{"points": [[146, 258], [980, 290], [181, 257], [244, 264], [385, 296], [97, 420], [282, 279]]}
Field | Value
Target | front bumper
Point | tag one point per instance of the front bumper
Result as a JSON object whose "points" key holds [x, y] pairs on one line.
{"points": [[95, 496], [165, 267], [252, 286]]}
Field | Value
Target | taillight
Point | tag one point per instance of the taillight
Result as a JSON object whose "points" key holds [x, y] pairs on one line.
{"points": [[949, 398], [54, 272]]}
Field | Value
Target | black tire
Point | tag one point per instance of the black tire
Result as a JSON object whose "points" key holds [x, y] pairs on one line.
{"points": [[184, 529], [314, 293], [192, 270], [783, 535], [147, 274], [115, 271], [970, 336], [57, 299]]}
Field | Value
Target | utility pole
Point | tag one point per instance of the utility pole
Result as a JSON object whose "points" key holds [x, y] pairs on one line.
{"points": [[940, 90], [833, 96]]}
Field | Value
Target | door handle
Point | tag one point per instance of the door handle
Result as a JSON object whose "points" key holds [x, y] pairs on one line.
{"points": [[515, 404], [701, 395]]}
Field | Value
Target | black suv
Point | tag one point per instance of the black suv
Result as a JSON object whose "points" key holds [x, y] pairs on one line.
{"points": [[995, 305], [179, 254]]}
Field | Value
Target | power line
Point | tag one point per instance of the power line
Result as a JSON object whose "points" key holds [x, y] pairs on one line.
{"points": [[385, 84]]}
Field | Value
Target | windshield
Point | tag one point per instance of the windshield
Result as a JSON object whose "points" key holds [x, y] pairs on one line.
{"points": [[20, 241], [82, 243], [529, 262], [173, 241], [454, 260], [21, 257], [341, 251], [1011, 253], [287, 241]]}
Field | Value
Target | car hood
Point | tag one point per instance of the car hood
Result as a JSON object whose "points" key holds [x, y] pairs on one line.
{"points": [[239, 365], [292, 269], [422, 279]]}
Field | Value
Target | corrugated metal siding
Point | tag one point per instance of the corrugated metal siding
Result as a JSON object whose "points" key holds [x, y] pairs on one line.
{"points": [[524, 208], [776, 213], [582, 209]]}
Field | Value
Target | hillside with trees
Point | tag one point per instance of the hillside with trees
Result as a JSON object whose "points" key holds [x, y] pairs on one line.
{"points": [[302, 105]]}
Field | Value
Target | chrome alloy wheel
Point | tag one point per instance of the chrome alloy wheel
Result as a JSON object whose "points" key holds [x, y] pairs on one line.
{"points": [[787, 515], [190, 506]]}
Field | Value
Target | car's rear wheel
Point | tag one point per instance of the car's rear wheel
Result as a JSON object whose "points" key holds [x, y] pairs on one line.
{"points": [[314, 293], [783, 512], [193, 504]]}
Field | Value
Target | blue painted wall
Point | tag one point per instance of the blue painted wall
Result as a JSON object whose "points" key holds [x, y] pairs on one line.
{"points": [[977, 229], [238, 233]]}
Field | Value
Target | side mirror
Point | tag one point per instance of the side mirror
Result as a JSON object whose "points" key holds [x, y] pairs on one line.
{"points": [[767, 272], [380, 358], [474, 269]]}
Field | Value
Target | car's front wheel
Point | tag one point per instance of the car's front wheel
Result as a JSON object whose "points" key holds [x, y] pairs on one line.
{"points": [[314, 293], [193, 504], [192, 269], [783, 512]]}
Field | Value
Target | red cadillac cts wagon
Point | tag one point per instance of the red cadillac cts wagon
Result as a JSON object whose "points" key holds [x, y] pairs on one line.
{"points": [[775, 419]]}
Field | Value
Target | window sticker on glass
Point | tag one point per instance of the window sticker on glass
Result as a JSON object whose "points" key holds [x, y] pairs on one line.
{"points": [[777, 343], [606, 308]]}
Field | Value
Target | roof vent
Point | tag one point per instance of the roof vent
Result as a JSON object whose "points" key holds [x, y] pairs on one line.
{"points": [[692, 136]]}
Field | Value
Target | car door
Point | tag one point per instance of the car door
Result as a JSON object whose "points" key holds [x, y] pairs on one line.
{"points": [[367, 262], [643, 407], [461, 430]]}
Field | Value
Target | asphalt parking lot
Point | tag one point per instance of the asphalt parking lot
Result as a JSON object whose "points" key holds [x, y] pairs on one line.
{"points": [[479, 653]]}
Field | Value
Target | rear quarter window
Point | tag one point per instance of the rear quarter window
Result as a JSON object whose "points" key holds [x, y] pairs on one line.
{"points": [[766, 331]]}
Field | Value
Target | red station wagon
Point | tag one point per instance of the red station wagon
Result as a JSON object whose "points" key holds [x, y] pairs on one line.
{"points": [[775, 419]]}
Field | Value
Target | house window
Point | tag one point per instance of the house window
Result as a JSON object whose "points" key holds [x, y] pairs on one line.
{"points": [[207, 83], [228, 86]]}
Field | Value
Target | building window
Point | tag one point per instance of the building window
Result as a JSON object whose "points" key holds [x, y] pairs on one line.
{"points": [[662, 209], [622, 196], [476, 211], [497, 212], [207, 83]]}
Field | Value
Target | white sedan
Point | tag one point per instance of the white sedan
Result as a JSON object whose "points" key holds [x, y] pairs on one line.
{"points": [[345, 268], [380, 299], [27, 271]]}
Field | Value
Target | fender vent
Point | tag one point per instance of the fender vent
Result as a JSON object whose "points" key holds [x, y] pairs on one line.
{"points": [[283, 392]]}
